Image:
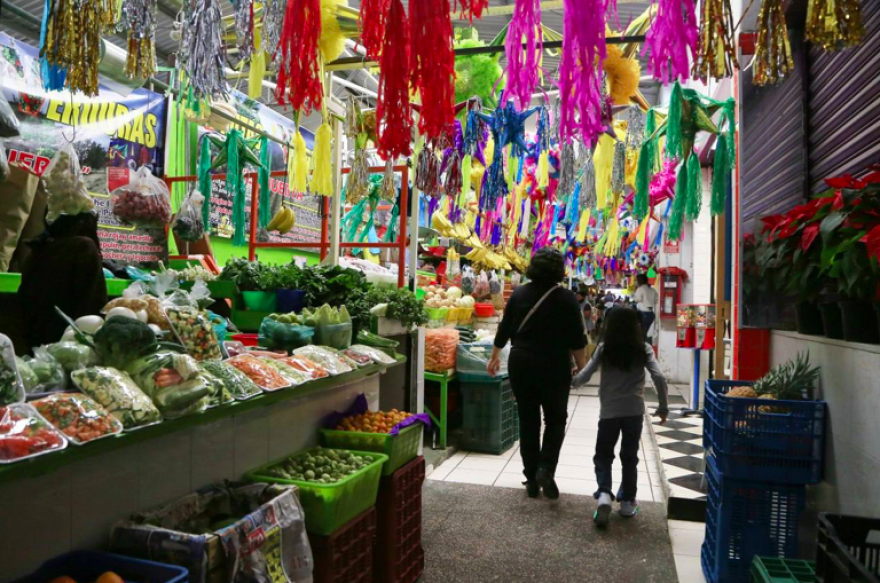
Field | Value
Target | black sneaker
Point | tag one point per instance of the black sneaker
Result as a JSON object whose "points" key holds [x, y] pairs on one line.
{"points": [[532, 488], [548, 484]]}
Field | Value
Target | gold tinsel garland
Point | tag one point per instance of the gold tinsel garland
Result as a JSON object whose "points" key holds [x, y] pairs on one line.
{"points": [[73, 39], [773, 52], [834, 24], [717, 54]]}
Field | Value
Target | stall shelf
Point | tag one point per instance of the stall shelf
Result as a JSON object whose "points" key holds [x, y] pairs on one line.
{"points": [[49, 463], [443, 422]]}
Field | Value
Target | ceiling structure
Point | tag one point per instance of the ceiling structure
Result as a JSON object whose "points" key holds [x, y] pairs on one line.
{"points": [[21, 20]]}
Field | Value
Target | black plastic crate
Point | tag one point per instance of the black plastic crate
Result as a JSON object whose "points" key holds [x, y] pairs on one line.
{"points": [[848, 549], [491, 420]]}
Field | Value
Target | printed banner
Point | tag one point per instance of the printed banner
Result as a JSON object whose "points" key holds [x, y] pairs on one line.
{"points": [[307, 207], [113, 137]]}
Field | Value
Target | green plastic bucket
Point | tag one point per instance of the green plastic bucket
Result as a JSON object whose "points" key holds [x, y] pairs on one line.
{"points": [[260, 301]]}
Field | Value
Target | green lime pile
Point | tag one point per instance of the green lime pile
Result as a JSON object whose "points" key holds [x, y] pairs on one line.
{"points": [[321, 466]]}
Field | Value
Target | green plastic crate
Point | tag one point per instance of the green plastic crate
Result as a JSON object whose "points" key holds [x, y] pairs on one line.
{"points": [[399, 448], [491, 420], [328, 507], [248, 321], [774, 570]]}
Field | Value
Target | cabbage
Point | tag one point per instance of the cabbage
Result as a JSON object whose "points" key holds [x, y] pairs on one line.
{"points": [[465, 302], [453, 293]]}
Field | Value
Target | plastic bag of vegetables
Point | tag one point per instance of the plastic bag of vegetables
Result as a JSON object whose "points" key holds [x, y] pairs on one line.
{"points": [[327, 359], [333, 327], [275, 335], [144, 201], [66, 192], [196, 332], [236, 381], [173, 381], [468, 280], [188, 224], [72, 355], [11, 387], [48, 374], [118, 394], [220, 394], [78, 417]]}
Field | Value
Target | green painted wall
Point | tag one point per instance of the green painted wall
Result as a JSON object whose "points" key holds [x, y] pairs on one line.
{"points": [[224, 249]]}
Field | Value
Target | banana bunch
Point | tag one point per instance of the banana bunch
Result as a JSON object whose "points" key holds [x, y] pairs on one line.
{"points": [[515, 259], [282, 221], [458, 231]]}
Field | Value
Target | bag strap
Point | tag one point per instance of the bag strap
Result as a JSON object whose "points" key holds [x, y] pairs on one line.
{"points": [[535, 307]]}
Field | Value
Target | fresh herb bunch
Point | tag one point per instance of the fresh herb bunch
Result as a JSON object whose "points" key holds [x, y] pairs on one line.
{"points": [[403, 305], [247, 275]]}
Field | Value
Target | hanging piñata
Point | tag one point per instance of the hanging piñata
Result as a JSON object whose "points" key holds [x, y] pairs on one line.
{"points": [[583, 51], [773, 60], [672, 35], [235, 153], [202, 52], [522, 64], [139, 18], [72, 44], [299, 71], [393, 109], [834, 24], [432, 64], [717, 53], [372, 22]]}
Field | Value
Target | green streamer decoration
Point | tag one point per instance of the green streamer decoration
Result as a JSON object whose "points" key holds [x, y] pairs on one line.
{"points": [[676, 215], [265, 202], [235, 185], [177, 160], [694, 188], [651, 144], [641, 205], [466, 166], [204, 173], [390, 234], [673, 123], [720, 175]]}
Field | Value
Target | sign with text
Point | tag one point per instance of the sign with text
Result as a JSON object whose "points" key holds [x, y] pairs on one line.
{"points": [[671, 247]]}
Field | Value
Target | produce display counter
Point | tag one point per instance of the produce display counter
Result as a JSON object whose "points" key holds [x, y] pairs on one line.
{"points": [[50, 462], [9, 283]]}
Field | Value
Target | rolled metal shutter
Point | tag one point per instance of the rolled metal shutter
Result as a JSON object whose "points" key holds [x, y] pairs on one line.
{"points": [[844, 105], [772, 153]]}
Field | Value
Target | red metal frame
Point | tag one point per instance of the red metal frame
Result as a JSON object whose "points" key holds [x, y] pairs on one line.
{"points": [[324, 243]]}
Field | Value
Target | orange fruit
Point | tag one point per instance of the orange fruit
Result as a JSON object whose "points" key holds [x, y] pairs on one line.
{"points": [[110, 577], [63, 580]]}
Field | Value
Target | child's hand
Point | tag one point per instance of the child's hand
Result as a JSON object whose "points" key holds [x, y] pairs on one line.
{"points": [[661, 415]]}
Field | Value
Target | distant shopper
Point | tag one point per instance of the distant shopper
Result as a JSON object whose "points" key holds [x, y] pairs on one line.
{"points": [[543, 321], [64, 269], [622, 357], [646, 301]]}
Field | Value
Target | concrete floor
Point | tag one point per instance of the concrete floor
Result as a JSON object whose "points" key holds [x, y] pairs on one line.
{"points": [[476, 534]]}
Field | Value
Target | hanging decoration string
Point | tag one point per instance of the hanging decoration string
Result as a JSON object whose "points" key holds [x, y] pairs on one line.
{"points": [[717, 53], [773, 60], [393, 109], [432, 64], [139, 18], [243, 17], [672, 35], [372, 23], [471, 9], [523, 64], [834, 24], [204, 173], [299, 73], [202, 52], [580, 71]]}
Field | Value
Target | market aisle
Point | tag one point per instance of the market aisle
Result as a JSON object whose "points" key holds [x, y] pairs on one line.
{"points": [[478, 533]]}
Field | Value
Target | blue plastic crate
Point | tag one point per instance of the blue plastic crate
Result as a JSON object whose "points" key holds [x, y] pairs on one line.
{"points": [[85, 566], [744, 519], [761, 440]]}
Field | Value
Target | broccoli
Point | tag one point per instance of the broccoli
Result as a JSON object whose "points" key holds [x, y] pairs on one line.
{"points": [[121, 340]]}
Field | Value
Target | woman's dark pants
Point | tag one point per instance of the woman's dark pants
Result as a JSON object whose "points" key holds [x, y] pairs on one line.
{"points": [[540, 383]]}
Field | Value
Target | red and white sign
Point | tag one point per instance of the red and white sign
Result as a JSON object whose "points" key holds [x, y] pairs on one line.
{"points": [[671, 247]]}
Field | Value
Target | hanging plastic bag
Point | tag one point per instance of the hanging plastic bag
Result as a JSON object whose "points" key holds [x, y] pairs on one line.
{"points": [[4, 164], [196, 332], [333, 335], [118, 394], [481, 289], [11, 387], [440, 349], [468, 280], [9, 127], [144, 202], [188, 224], [453, 265], [66, 192]]}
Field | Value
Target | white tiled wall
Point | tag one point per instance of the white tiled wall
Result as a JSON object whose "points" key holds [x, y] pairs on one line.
{"points": [[849, 383], [75, 507], [702, 246]]}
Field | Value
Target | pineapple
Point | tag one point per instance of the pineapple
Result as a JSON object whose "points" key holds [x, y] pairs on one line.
{"points": [[768, 408], [791, 381], [742, 393]]}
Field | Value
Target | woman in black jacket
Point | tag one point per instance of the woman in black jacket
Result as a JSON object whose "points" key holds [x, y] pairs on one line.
{"points": [[544, 322]]}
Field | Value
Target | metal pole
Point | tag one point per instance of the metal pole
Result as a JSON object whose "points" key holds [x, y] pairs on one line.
{"points": [[255, 195], [335, 202], [401, 235]]}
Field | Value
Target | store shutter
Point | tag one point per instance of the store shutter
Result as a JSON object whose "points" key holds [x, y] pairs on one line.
{"points": [[772, 156], [844, 105]]}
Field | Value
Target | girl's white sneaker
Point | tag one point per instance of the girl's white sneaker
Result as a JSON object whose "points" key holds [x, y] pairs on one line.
{"points": [[629, 509], [603, 510]]}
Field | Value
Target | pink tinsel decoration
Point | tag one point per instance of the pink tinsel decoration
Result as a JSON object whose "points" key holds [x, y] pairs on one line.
{"points": [[583, 51], [522, 66], [663, 182], [671, 35]]}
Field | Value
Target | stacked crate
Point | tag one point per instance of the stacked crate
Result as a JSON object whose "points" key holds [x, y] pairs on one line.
{"points": [[398, 556]]}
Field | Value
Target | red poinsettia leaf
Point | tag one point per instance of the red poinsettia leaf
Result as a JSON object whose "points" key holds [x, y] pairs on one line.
{"points": [[810, 234]]}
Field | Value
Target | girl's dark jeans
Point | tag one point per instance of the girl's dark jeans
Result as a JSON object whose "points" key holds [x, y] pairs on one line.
{"points": [[609, 430]]}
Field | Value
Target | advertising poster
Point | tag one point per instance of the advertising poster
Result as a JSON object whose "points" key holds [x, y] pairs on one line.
{"points": [[113, 136], [307, 207]]}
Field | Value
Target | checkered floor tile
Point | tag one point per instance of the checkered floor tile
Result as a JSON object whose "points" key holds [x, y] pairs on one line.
{"points": [[680, 447]]}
